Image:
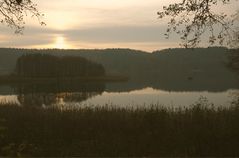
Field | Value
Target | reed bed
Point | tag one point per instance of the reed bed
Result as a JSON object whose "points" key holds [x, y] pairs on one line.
{"points": [[198, 130]]}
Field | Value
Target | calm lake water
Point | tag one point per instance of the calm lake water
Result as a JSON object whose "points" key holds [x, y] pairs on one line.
{"points": [[102, 94]]}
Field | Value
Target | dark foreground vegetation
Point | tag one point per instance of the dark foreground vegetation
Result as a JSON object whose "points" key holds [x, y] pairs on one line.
{"points": [[201, 130]]}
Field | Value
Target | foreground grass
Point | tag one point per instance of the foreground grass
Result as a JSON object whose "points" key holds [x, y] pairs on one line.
{"points": [[106, 131]]}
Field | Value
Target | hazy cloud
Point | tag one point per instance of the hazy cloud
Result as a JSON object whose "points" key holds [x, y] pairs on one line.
{"points": [[95, 24], [124, 36]]}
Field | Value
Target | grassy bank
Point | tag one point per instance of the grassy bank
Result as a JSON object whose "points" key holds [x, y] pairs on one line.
{"points": [[200, 130]]}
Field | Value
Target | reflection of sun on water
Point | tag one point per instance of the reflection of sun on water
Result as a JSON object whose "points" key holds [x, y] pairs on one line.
{"points": [[60, 43], [9, 99]]}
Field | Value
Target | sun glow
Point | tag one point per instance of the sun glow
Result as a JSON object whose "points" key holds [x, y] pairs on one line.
{"points": [[60, 43]]}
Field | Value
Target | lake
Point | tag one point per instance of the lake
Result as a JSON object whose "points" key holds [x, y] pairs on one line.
{"points": [[173, 77], [117, 94]]}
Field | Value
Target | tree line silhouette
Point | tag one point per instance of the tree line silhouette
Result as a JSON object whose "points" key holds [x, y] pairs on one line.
{"points": [[43, 65]]}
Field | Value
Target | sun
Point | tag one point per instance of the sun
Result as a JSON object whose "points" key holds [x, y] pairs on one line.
{"points": [[60, 43]]}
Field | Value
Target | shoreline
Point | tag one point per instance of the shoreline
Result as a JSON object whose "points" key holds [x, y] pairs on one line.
{"points": [[8, 79]]}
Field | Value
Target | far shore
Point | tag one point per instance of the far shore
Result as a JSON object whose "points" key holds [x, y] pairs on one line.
{"points": [[11, 79]]}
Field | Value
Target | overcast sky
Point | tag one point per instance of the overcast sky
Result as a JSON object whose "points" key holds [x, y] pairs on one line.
{"points": [[94, 24]]}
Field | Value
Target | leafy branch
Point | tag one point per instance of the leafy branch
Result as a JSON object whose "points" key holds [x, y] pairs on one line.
{"points": [[13, 12], [191, 19]]}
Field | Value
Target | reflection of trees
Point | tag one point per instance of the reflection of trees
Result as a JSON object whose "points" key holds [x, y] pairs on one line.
{"points": [[37, 99], [38, 95], [79, 96]]}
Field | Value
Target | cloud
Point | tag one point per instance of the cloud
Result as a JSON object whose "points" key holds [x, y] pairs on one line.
{"points": [[138, 37], [117, 34], [96, 23]]}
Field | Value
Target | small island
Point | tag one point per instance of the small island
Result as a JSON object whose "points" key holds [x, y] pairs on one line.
{"points": [[45, 68]]}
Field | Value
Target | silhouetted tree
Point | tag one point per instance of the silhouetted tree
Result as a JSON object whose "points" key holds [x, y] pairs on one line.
{"points": [[43, 65], [12, 13], [193, 18]]}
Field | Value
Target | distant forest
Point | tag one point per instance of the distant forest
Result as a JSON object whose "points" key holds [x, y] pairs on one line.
{"points": [[179, 69], [45, 65]]}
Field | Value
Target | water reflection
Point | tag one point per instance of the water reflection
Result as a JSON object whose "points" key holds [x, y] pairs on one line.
{"points": [[49, 94], [119, 94], [150, 96]]}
